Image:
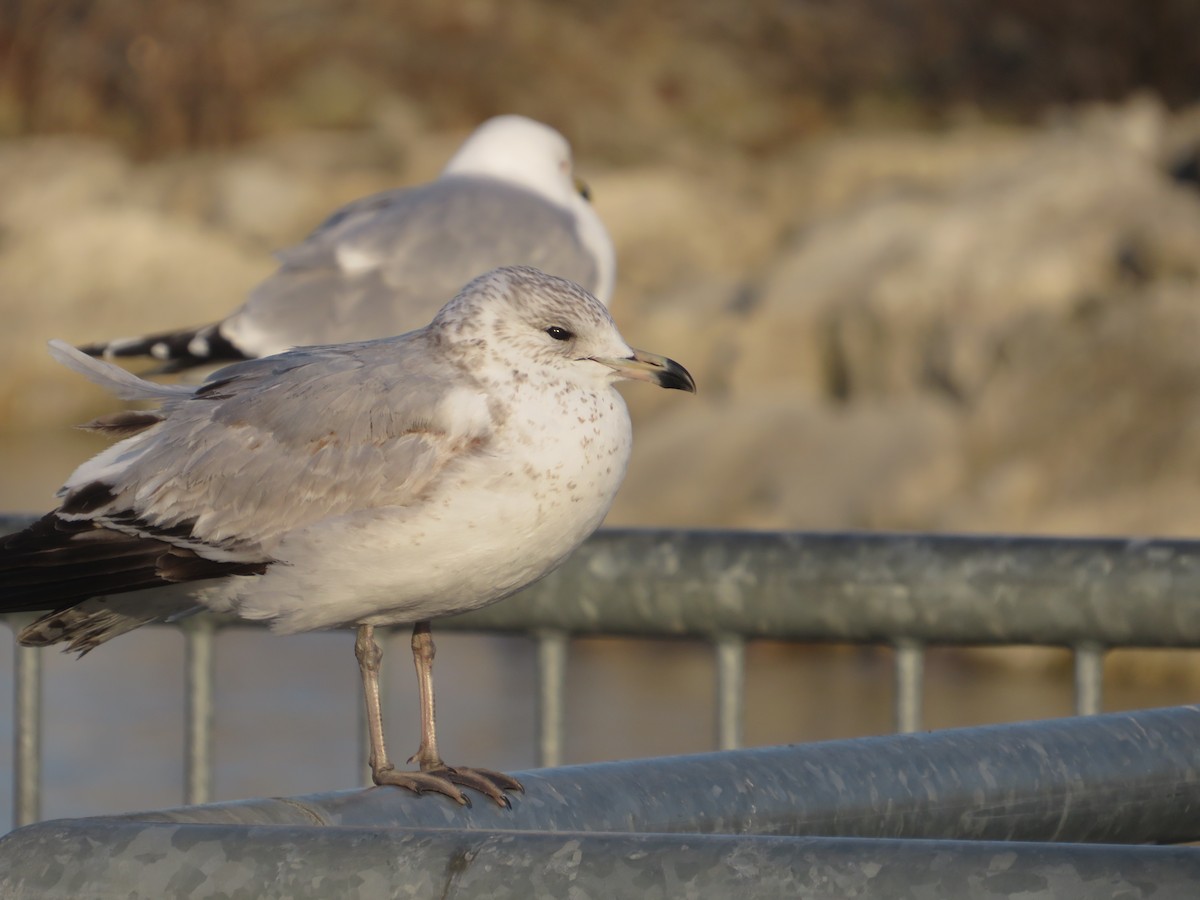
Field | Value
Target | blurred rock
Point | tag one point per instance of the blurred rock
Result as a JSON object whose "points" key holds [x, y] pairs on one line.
{"points": [[773, 460], [673, 228], [81, 256], [833, 172], [270, 194], [917, 289], [699, 321], [1092, 424], [44, 180]]}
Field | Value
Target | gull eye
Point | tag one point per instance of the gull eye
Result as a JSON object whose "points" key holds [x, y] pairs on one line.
{"points": [[559, 334]]}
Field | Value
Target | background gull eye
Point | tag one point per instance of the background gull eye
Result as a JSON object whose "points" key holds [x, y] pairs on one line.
{"points": [[559, 334]]}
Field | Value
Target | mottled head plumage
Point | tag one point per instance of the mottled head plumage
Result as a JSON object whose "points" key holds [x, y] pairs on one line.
{"points": [[528, 321], [517, 319]]}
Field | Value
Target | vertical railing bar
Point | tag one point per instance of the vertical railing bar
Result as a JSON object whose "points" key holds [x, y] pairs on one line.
{"points": [[1089, 678], [910, 685], [27, 734], [551, 696], [200, 676], [730, 654]]}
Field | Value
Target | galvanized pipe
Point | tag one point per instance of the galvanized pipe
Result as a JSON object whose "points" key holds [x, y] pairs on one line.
{"points": [[1089, 678], [910, 685], [866, 588], [161, 860], [551, 711], [27, 735], [729, 652], [1116, 778], [199, 686]]}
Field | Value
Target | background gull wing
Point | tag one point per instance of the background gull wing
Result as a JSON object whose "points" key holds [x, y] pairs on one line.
{"points": [[385, 264]]}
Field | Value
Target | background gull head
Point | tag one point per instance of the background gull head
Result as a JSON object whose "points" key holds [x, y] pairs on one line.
{"points": [[527, 153], [384, 264]]}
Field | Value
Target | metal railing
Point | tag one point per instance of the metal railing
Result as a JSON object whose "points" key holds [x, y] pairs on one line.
{"points": [[1030, 809], [906, 591]]}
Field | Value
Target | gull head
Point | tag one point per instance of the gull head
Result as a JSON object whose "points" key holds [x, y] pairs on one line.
{"points": [[524, 152], [536, 158], [518, 321]]}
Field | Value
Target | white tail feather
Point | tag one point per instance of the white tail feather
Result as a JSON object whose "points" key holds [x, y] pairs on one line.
{"points": [[114, 379]]}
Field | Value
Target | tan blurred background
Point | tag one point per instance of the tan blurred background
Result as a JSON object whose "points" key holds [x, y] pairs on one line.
{"points": [[934, 263]]}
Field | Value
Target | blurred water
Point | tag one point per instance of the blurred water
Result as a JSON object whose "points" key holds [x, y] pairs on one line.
{"points": [[287, 707]]}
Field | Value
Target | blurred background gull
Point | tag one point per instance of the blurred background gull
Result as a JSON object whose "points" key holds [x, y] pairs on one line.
{"points": [[934, 265]]}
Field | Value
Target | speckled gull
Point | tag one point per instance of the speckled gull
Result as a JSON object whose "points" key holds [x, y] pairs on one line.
{"points": [[375, 483], [384, 264]]}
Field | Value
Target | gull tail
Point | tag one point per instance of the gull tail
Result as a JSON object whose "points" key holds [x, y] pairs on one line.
{"points": [[175, 350], [89, 624], [114, 379]]}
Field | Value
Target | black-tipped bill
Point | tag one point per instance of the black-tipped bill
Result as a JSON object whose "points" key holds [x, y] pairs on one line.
{"points": [[660, 370]]}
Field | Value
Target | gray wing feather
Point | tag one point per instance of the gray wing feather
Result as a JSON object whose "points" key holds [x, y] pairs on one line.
{"points": [[274, 444], [385, 264]]}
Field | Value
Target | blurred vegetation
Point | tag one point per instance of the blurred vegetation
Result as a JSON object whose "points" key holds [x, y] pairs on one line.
{"points": [[161, 76]]}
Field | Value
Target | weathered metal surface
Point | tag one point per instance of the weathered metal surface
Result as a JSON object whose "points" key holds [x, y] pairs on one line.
{"points": [[27, 734], [140, 860], [867, 588], [1117, 778]]}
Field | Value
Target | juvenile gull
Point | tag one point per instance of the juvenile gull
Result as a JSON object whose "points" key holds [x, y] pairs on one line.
{"points": [[384, 264], [383, 482]]}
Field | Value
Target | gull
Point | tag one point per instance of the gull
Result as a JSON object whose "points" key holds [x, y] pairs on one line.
{"points": [[384, 264], [358, 485]]}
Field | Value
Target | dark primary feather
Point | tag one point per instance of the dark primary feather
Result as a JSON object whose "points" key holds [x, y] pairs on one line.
{"points": [[124, 423], [56, 563]]}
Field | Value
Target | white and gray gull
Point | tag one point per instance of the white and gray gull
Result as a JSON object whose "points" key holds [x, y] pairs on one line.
{"points": [[384, 264], [356, 485]]}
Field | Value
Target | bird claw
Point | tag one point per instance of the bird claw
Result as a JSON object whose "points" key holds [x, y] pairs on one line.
{"points": [[443, 780], [421, 783], [488, 782]]}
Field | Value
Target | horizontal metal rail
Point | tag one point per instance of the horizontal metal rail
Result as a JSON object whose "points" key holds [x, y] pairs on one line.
{"points": [[704, 821], [866, 588], [302, 863], [907, 591], [1129, 777]]}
